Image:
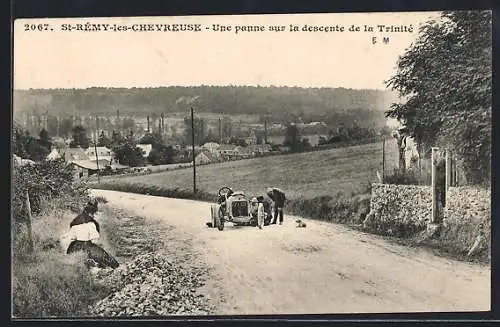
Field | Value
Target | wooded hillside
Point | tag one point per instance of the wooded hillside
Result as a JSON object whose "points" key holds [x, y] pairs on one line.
{"points": [[281, 103]]}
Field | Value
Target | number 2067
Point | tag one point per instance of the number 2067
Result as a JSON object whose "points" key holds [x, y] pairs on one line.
{"points": [[36, 27]]}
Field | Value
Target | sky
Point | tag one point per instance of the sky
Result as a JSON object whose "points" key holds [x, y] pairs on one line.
{"points": [[57, 58]]}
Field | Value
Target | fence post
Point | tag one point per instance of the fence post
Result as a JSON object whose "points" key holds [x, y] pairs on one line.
{"points": [[434, 185], [448, 173], [455, 171]]}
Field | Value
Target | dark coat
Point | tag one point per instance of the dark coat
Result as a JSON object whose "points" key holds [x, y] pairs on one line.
{"points": [[278, 197]]}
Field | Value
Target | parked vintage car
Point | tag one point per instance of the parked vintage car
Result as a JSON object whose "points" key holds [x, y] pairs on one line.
{"points": [[236, 208]]}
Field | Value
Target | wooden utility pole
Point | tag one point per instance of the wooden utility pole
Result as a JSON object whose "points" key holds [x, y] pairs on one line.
{"points": [[97, 161], [265, 131], [162, 124], [434, 162], [194, 163], [220, 131]]}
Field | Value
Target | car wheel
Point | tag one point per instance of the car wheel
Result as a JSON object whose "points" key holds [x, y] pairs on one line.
{"points": [[219, 218], [267, 220]]}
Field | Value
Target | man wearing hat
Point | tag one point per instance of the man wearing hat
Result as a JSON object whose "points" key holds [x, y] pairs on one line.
{"points": [[279, 198]]}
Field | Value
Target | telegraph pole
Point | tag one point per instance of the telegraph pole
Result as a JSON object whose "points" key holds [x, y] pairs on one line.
{"points": [[97, 160], [220, 131], [162, 124], [194, 163], [265, 131]]}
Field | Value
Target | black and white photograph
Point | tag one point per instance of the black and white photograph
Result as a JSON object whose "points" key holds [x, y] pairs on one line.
{"points": [[243, 165]]}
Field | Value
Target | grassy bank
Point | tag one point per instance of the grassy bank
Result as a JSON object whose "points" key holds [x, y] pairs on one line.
{"points": [[47, 282]]}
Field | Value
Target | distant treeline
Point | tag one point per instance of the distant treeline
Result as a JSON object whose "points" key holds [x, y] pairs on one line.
{"points": [[280, 104]]}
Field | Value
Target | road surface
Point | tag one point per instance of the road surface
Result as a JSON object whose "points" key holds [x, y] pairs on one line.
{"points": [[323, 268]]}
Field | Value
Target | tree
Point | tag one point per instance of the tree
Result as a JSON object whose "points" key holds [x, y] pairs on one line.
{"points": [[52, 122], [19, 144], [128, 124], [227, 128], [45, 140], [292, 138], [154, 139], [210, 137], [66, 127], [79, 138], [28, 147], [199, 130], [445, 80], [238, 141], [305, 145], [129, 154], [161, 155], [116, 139], [103, 140]]}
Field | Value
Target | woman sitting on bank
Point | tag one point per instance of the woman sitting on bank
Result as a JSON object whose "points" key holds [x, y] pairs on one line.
{"points": [[84, 232]]}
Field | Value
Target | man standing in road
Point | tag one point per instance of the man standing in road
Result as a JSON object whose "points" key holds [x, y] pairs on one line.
{"points": [[279, 198]]}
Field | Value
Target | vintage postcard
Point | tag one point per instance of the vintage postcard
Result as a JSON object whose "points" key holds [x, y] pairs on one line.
{"points": [[251, 165]]}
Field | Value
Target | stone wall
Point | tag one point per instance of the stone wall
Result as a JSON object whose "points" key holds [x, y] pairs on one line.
{"points": [[399, 210], [403, 210], [468, 203]]}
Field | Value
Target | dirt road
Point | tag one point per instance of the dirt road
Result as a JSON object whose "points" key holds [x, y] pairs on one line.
{"points": [[323, 268]]}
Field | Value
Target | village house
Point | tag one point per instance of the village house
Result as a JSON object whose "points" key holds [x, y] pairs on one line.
{"points": [[102, 153], [229, 151], [85, 165], [73, 154], [260, 149], [206, 157], [54, 155], [86, 168], [211, 146], [251, 139]]}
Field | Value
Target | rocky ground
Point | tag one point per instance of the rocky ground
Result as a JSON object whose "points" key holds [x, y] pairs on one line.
{"points": [[152, 280]]}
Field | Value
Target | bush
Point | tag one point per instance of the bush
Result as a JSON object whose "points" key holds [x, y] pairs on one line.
{"points": [[412, 176], [47, 181]]}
